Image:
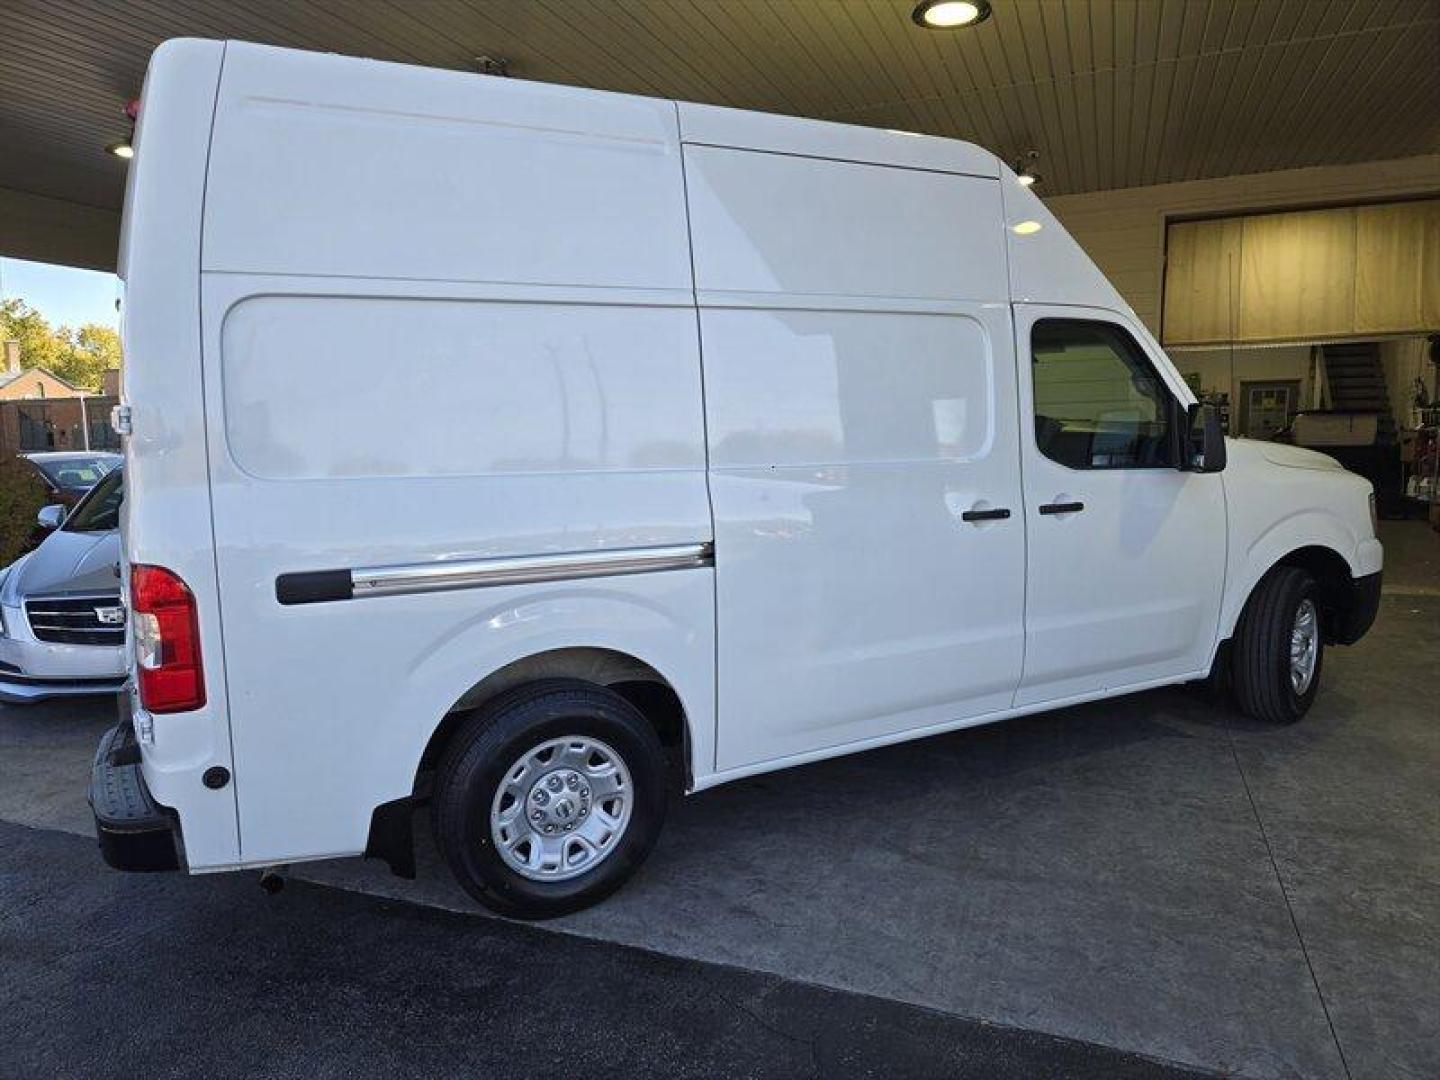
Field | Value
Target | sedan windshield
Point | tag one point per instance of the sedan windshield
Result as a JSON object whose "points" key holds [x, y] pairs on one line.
{"points": [[76, 473], [99, 511]]}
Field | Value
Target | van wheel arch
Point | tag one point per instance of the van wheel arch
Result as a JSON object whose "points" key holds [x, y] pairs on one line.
{"points": [[1337, 593], [629, 676], [391, 838], [1331, 573]]}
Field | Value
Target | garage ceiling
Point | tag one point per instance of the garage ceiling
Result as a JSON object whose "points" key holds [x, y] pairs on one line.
{"points": [[1113, 93]]}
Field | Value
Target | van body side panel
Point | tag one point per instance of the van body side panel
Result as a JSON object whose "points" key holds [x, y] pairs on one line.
{"points": [[860, 400], [166, 515], [715, 125], [333, 166], [1047, 266], [423, 358]]}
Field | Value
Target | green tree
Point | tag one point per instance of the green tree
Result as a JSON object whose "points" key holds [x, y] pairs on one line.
{"points": [[78, 356], [21, 497], [86, 353], [39, 347]]}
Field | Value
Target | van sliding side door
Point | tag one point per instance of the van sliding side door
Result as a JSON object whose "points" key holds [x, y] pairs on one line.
{"points": [[864, 469]]}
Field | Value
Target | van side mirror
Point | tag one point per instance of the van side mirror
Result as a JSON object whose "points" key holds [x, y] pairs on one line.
{"points": [[1204, 440], [51, 517]]}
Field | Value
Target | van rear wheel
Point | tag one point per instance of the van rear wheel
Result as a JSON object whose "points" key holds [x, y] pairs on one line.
{"points": [[1279, 647], [549, 798]]}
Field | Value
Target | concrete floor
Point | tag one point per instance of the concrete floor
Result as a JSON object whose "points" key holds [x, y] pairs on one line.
{"points": [[1152, 874], [110, 977]]}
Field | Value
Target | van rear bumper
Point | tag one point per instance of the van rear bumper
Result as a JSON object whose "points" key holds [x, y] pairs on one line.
{"points": [[135, 832]]}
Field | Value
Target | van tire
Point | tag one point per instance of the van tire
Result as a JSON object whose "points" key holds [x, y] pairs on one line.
{"points": [[497, 738], [1261, 665]]}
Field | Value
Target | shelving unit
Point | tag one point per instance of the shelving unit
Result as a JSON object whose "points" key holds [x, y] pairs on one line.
{"points": [[1420, 469]]}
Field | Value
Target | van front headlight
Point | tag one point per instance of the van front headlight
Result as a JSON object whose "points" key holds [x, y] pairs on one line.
{"points": [[1374, 517]]}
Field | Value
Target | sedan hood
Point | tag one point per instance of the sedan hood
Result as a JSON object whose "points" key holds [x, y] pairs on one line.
{"points": [[68, 562]]}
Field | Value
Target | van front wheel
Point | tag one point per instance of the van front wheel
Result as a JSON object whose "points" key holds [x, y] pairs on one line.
{"points": [[549, 798], [1279, 647]]}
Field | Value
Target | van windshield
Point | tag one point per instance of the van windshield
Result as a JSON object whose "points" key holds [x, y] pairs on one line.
{"points": [[99, 510]]}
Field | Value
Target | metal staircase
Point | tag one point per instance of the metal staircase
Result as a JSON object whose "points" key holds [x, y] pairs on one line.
{"points": [[1357, 382]]}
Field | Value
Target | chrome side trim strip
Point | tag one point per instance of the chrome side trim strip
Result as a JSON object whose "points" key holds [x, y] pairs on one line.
{"points": [[525, 569]]}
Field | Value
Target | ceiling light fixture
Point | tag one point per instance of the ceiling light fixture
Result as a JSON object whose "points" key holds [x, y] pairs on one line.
{"points": [[125, 148], [1025, 169], [950, 14]]}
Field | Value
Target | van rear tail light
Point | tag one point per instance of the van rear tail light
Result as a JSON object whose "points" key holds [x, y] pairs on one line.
{"points": [[167, 641]]}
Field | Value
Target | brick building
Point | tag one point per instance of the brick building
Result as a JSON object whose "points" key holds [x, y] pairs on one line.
{"points": [[41, 411]]}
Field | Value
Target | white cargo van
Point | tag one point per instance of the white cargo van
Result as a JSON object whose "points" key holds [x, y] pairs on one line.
{"points": [[485, 438]]}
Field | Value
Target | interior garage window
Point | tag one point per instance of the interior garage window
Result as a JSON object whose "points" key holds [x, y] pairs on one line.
{"points": [[1098, 402]]}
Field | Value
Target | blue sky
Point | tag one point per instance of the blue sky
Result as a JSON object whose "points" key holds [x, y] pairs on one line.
{"points": [[64, 295]]}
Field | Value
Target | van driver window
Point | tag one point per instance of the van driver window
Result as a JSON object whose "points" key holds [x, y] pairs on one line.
{"points": [[1098, 402]]}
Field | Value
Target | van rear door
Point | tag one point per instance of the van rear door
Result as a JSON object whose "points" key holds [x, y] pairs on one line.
{"points": [[166, 515]]}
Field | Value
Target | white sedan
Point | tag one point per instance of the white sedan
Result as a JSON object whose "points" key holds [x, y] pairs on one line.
{"points": [[62, 624]]}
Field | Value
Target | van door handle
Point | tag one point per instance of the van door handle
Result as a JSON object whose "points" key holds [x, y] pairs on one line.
{"points": [[1062, 508], [998, 514]]}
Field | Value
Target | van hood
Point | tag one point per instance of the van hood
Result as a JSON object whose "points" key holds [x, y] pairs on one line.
{"points": [[67, 562], [1282, 454]]}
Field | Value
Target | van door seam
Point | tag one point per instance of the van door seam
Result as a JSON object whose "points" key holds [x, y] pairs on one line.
{"points": [[209, 477], [705, 435]]}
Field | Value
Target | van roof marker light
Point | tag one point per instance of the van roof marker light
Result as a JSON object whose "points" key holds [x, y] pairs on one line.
{"points": [[1024, 168], [950, 14], [1025, 228]]}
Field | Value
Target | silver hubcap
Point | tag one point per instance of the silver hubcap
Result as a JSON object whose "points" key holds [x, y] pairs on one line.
{"points": [[561, 809], [1304, 646]]}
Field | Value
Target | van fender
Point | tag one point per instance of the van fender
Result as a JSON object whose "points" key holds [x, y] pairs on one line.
{"points": [[1302, 529], [665, 621]]}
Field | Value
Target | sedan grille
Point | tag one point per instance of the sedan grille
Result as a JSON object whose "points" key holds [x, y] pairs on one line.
{"points": [[77, 620]]}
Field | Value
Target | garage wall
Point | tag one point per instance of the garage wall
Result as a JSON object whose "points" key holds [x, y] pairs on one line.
{"points": [[1296, 275], [1124, 230], [1277, 363], [1405, 361]]}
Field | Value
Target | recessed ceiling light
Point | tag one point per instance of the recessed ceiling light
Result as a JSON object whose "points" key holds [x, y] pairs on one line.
{"points": [[950, 14], [1025, 228], [121, 150], [1028, 178]]}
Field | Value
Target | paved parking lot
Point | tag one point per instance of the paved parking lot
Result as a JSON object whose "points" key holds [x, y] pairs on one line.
{"points": [[1152, 874], [107, 976]]}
